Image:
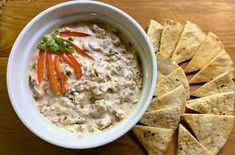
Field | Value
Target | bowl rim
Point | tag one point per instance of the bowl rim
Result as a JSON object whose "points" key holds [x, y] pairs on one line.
{"points": [[22, 33]]}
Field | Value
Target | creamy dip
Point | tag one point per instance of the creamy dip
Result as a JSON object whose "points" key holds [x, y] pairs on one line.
{"points": [[107, 91]]}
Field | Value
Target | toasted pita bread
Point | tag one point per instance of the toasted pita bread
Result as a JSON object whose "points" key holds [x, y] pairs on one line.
{"points": [[219, 104], [172, 81], [155, 140], [160, 76], [209, 48], [170, 37], [212, 131], [163, 118], [188, 145], [189, 42], [176, 97], [223, 83], [165, 66], [217, 66], [154, 32]]}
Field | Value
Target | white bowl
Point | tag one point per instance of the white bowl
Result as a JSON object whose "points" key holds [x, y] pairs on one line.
{"points": [[56, 16]]}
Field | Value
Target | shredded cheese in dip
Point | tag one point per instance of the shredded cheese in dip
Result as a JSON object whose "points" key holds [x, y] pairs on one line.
{"points": [[107, 91]]}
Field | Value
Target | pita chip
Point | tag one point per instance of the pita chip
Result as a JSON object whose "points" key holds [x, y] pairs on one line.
{"points": [[172, 81], [163, 118], [154, 32], [212, 131], [217, 66], [223, 83], [155, 140], [176, 97], [218, 104], [188, 145], [170, 37], [189, 42], [209, 48], [165, 66], [160, 76]]}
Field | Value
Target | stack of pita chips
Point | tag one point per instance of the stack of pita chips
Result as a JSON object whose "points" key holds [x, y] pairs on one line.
{"points": [[175, 79], [211, 130], [210, 120], [187, 144], [170, 36], [162, 119], [213, 123], [223, 83], [189, 42], [217, 66], [215, 106], [209, 48]]}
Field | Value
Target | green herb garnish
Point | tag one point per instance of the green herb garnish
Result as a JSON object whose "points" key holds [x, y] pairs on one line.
{"points": [[70, 49], [42, 45], [54, 48], [54, 43], [58, 40], [56, 32], [64, 44], [71, 38]]}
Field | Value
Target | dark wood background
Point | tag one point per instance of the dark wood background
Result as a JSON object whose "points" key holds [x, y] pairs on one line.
{"points": [[16, 139]]}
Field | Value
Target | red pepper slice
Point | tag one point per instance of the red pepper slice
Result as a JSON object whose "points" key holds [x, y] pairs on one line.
{"points": [[66, 59], [50, 72], [61, 74], [74, 33], [76, 65], [79, 50], [40, 66]]}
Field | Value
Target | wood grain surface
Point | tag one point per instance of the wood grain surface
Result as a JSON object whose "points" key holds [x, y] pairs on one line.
{"points": [[15, 139]]}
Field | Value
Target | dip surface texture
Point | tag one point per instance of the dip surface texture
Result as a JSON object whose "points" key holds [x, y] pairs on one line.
{"points": [[109, 87]]}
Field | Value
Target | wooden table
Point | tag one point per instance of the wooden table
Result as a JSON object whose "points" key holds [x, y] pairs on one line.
{"points": [[16, 139]]}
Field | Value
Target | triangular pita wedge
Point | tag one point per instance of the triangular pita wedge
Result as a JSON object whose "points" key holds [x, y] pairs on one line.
{"points": [[160, 76], [163, 118], [176, 97], [223, 83], [189, 42], [209, 48], [155, 140], [154, 32], [165, 66], [188, 145], [217, 66], [212, 131], [170, 37], [219, 104], [172, 81]]}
